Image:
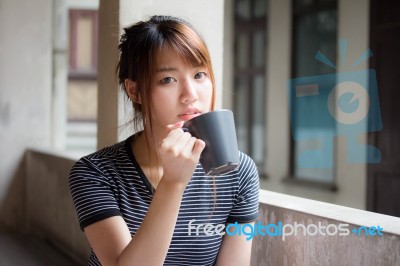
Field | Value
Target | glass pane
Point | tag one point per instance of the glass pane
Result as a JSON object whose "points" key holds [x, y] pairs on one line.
{"points": [[85, 43], [241, 112], [258, 49], [312, 174], [315, 32], [258, 105], [243, 51], [242, 9], [314, 131], [326, 1], [260, 8], [313, 128], [302, 3]]}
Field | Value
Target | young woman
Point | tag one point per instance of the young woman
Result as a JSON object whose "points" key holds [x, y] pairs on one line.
{"points": [[147, 200]]}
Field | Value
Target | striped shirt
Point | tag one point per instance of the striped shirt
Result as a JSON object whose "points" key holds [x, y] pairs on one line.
{"points": [[110, 182]]}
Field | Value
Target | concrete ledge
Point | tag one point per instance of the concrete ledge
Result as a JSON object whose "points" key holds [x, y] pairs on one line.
{"points": [[318, 249], [62, 154], [331, 211], [50, 214]]}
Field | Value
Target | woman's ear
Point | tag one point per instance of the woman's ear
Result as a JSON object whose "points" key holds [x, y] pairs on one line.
{"points": [[132, 91]]}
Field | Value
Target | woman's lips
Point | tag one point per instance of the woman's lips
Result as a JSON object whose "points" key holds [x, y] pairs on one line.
{"points": [[186, 117]]}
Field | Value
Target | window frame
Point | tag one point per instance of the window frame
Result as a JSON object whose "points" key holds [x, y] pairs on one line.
{"points": [[250, 27]]}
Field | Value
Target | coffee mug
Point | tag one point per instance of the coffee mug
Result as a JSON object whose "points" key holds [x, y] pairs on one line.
{"points": [[217, 130]]}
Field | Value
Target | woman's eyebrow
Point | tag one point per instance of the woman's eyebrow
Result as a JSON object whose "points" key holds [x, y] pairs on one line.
{"points": [[167, 68], [199, 66], [164, 69]]}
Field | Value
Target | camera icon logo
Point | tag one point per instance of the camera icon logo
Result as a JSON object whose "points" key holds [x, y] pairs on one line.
{"points": [[343, 104]]}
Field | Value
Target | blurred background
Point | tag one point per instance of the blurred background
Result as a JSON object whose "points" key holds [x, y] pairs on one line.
{"points": [[59, 96]]}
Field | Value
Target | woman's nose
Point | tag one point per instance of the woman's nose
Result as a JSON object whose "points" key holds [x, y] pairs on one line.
{"points": [[189, 92]]}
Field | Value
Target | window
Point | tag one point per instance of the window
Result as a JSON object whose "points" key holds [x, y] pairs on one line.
{"points": [[83, 44], [82, 81], [314, 29], [250, 76]]}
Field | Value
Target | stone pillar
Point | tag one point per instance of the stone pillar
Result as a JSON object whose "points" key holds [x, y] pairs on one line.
{"points": [[107, 110], [278, 71], [351, 178], [60, 73]]}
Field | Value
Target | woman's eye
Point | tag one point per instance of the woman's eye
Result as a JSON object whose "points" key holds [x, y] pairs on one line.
{"points": [[167, 80], [200, 75]]}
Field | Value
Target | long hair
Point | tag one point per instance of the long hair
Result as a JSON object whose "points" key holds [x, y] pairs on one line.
{"points": [[139, 46]]}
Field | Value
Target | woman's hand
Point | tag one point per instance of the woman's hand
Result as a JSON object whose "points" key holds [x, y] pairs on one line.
{"points": [[180, 153], [110, 238]]}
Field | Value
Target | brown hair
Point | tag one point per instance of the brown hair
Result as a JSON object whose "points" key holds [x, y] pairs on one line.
{"points": [[139, 46]]}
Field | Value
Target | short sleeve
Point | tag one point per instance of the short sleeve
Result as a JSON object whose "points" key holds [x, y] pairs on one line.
{"points": [[246, 206], [92, 193]]}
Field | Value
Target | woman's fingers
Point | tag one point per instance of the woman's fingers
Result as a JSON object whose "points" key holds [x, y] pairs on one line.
{"points": [[179, 143], [199, 146], [171, 127]]}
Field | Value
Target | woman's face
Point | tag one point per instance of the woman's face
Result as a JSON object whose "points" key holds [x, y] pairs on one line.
{"points": [[180, 91]]}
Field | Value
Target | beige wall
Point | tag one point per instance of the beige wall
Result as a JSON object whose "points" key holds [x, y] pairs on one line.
{"points": [[25, 95]]}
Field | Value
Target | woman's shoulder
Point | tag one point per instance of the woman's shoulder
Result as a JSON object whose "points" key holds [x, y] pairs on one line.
{"points": [[246, 162], [106, 156], [246, 169]]}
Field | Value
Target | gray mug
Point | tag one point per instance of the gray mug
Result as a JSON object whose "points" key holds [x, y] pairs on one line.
{"points": [[217, 130]]}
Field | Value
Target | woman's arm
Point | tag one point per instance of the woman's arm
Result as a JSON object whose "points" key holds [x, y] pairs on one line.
{"points": [[110, 238], [235, 250], [112, 242]]}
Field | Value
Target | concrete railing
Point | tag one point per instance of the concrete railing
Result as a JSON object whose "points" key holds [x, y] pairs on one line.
{"points": [[50, 212], [348, 249], [51, 215]]}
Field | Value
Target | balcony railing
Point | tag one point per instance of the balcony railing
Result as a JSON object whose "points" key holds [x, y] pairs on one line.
{"points": [[336, 235]]}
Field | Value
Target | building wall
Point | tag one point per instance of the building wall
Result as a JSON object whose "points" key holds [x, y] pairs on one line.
{"points": [[25, 95]]}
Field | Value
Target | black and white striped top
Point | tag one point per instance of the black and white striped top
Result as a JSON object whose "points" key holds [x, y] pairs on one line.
{"points": [[110, 182]]}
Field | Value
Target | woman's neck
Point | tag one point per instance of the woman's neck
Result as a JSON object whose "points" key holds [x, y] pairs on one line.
{"points": [[146, 155], [145, 150]]}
